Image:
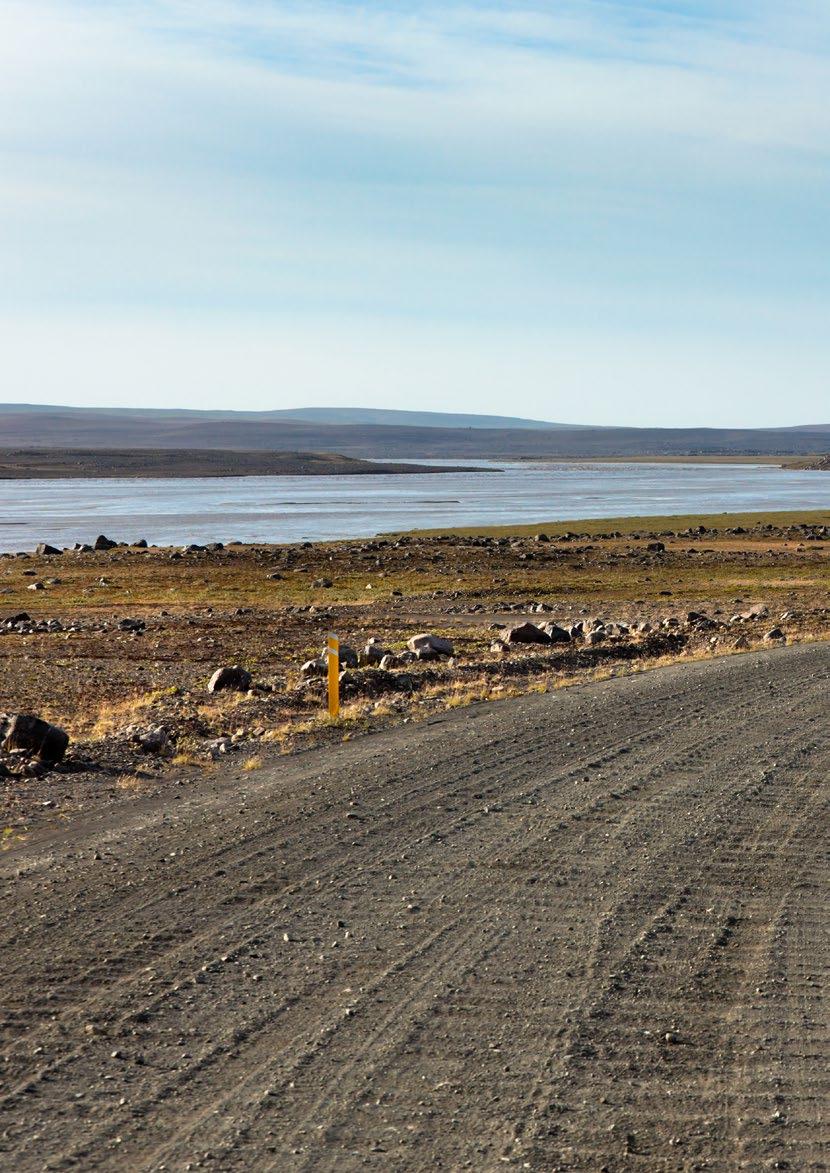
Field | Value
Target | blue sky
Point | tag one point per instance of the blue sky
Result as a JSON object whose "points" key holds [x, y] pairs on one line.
{"points": [[593, 212]]}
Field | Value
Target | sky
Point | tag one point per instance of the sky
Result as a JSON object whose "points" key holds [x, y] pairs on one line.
{"points": [[589, 211]]}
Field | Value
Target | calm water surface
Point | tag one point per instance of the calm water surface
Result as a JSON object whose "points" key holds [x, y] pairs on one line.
{"points": [[286, 509]]}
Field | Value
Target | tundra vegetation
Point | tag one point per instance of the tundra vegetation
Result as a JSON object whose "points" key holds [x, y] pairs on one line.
{"points": [[160, 663]]}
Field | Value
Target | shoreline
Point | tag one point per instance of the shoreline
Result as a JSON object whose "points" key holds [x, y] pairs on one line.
{"points": [[182, 464], [47, 464], [807, 461], [626, 526]]}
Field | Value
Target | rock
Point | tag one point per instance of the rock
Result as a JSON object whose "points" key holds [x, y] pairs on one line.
{"points": [[388, 662], [136, 625], [347, 657], [231, 678], [222, 745], [374, 652], [35, 738], [656, 548], [596, 637], [317, 667], [45, 548], [741, 644], [35, 586], [556, 634], [435, 645], [759, 611], [104, 543], [776, 635], [319, 583], [526, 633], [155, 740]]}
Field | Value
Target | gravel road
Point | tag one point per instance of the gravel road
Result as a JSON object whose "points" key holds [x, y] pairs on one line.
{"points": [[582, 930]]}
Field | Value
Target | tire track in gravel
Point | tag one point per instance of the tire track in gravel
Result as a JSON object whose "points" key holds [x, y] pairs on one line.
{"points": [[694, 746], [521, 881], [161, 1094]]}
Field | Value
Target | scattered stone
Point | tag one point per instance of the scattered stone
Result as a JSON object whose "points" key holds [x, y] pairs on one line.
{"points": [[433, 645], [526, 633], [152, 740], [231, 678], [221, 746], [104, 543], [44, 548], [557, 634], [134, 625], [347, 657]]}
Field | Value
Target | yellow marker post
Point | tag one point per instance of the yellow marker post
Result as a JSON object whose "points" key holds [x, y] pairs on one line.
{"points": [[333, 656]]}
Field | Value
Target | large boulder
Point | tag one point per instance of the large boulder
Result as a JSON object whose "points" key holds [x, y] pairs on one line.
{"points": [[526, 633], [432, 645], [230, 679], [104, 543], [35, 738], [45, 548]]}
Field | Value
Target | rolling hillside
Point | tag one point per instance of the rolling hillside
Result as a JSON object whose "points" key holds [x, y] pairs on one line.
{"points": [[65, 427]]}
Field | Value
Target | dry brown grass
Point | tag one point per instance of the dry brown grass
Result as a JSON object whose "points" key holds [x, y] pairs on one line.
{"points": [[106, 719], [133, 783]]}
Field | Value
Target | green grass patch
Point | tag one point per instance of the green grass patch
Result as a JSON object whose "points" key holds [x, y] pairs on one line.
{"points": [[629, 525]]}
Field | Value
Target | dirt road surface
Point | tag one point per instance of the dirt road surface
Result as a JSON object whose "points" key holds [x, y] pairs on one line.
{"points": [[582, 930]]}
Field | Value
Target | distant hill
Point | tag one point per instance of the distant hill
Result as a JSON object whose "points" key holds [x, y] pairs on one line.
{"points": [[321, 415], [75, 427], [411, 419]]}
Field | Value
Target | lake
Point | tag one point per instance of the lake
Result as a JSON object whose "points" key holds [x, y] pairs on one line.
{"points": [[290, 509]]}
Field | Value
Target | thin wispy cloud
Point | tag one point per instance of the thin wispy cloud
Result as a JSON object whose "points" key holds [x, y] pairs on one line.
{"points": [[642, 183]]}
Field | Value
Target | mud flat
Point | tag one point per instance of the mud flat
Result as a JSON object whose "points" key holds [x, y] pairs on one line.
{"points": [[62, 463]]}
